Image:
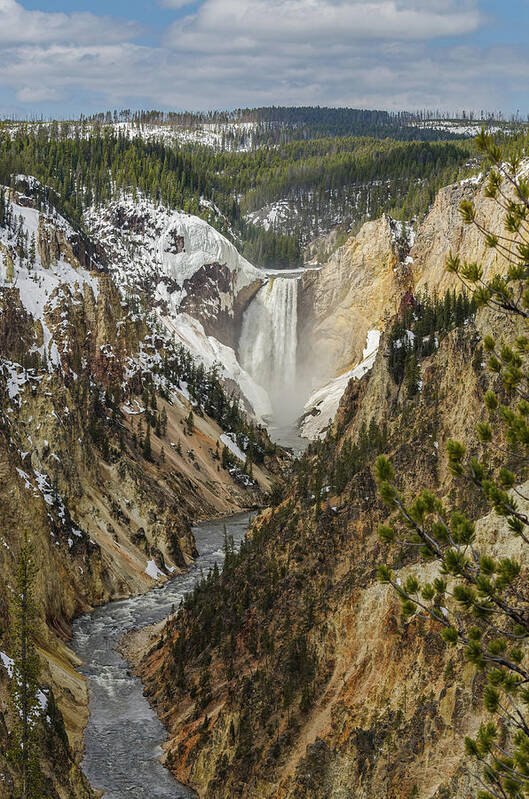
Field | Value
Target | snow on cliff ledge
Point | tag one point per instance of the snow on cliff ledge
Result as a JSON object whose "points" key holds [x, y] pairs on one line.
{"points": [[189, 332], [325, 401], [157, 249], [37, 282], [156, 252]]}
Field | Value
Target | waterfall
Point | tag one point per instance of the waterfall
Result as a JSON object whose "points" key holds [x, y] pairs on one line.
{"points": [[268, 342]]}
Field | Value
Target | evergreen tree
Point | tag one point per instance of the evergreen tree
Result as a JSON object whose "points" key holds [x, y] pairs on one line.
{"points": [[226, 458], [32, 251], [3, 207], [480, 602], [163, 422], [413, 375], [248, 467]]}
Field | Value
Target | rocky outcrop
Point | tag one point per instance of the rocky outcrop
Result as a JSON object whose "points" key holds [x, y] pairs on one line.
{"points": [[443, 231], [326, 692], [366, 279], [55, 243], [360, 286], [178, 262], [210, 296], [99, 462], [190, 275]]}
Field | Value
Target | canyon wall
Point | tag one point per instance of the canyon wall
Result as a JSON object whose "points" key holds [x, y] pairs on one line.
{"points": [[293, 675], [106, 458]]}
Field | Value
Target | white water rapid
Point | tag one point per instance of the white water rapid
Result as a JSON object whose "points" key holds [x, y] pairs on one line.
{"points": [[268, 352], [124, 736], [269, 338]]}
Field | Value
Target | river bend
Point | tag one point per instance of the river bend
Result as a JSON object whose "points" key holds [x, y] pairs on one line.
{"points": [[123, 737]]}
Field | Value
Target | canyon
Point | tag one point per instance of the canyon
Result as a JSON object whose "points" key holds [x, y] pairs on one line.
{"points": [[154, 378]]}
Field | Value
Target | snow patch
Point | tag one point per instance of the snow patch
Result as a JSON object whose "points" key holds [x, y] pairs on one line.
{"points": [[325, 401], [153, 571], [227, 440], [39, 286], [190, 332], [8, 663], [165, 246]]}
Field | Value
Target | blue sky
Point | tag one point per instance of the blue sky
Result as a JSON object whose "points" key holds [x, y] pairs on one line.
{"points": [[59, 58]]}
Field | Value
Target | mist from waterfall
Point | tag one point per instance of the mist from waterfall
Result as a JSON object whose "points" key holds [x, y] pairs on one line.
{"points": [[268, 343]]}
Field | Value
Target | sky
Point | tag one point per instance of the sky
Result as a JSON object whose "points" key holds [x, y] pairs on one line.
{"points": [[59, 58]]}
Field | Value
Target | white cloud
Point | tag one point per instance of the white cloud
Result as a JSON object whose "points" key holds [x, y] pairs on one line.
{"points": [[37, 94], [20, 26], [175, 3], [240, 25], [378, 54]]}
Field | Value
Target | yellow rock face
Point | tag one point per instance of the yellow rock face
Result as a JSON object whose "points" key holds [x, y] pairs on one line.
{"points": [[394, 706], [353, 292], [364, 280]]}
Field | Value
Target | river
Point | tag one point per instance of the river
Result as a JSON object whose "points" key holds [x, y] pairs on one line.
{"points": [[123, 737], [287, 435]]}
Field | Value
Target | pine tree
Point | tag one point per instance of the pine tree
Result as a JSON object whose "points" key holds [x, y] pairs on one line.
{"points": [[24, 682], [204, 688], [32, 256], [226, 458], [163, 422], [248, 468], [413, 375], [479, 601]]}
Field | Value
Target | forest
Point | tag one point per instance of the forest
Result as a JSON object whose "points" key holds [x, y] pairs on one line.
{"points": [[274, 124], [323, 182]]}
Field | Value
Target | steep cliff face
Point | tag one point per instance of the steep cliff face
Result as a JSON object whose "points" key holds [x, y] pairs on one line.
{"points": [[179, 261], [362, 285], [442, 231], [314, 688], [107, 456], [292, 674], [191, 275], [351, 295]]}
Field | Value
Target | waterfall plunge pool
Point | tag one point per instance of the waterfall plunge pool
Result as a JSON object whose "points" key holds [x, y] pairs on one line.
{"points": [[123, 736]]}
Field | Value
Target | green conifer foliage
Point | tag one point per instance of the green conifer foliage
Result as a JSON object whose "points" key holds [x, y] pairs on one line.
{"points": [[480, 602], [147, 450]]}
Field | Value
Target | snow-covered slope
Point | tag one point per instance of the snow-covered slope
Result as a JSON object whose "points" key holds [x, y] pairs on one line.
{"points": [[143, 236], [231, 136], [179, 261], [275, 215], [173, 261], [321, 407], [467, 127], [189, 332], [194, 278], [37, 258], [218, 135]]}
